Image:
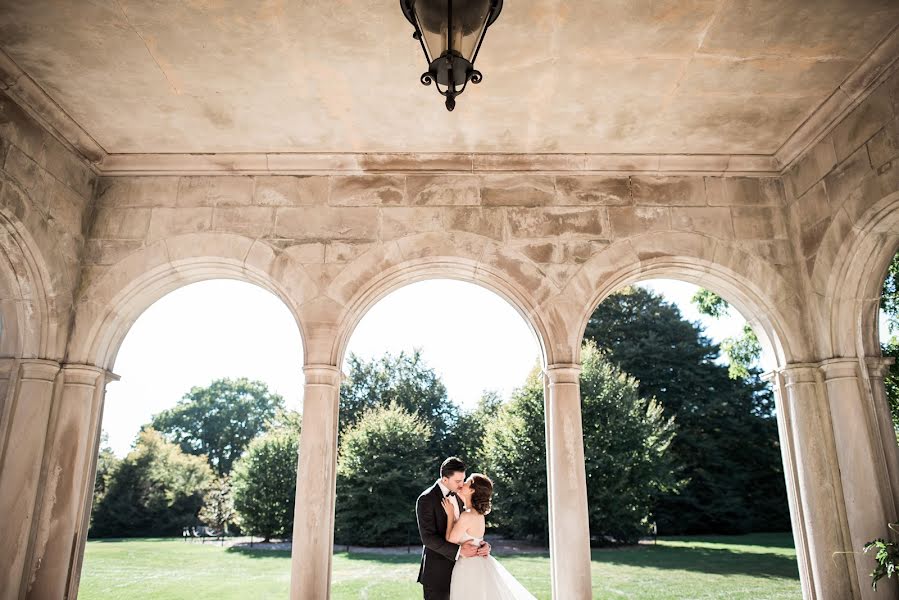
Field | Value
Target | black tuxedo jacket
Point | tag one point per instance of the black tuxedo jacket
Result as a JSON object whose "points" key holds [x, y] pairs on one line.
{"points": [[438, 556]]}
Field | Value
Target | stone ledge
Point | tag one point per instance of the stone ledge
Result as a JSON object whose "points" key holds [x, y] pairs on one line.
{"points": [[113, 165]]}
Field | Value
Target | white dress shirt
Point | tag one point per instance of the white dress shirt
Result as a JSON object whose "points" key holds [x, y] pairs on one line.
{"points": [[455, 500]]}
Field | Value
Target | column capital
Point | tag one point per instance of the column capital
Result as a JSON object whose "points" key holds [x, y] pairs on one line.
{"points": [[840, 368], [38, 369], [797, 373], [879, 366], [82, 374], [328, 375], [563, 373]]}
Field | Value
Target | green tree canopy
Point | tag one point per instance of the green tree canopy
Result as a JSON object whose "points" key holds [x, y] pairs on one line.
{"points": [[384, 464], [741, 352], [154, 491], [626, 451], [264, 483], [727, 440], [471, 429], [218, 505], [219, 420], [407, 381]]}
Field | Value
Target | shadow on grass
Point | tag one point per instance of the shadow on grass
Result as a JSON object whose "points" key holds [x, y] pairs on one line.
{"points": [[715, 561], [243, 550]]}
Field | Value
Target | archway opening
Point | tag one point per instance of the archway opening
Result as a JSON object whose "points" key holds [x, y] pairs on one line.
{"points": [[888, 334], [439, 368], [678, 421], [203, 430]]}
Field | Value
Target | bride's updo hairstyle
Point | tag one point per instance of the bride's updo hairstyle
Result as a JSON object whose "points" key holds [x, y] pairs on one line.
{"points": [[482, 492]]}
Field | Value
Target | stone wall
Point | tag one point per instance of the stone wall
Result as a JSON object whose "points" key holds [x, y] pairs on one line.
{"points": [[46, 193]]}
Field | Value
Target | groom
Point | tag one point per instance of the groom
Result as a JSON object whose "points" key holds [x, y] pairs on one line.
{"points": [[438, 557]]}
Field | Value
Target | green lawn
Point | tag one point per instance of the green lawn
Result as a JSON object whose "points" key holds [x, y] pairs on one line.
{"points": [[761, 566]]}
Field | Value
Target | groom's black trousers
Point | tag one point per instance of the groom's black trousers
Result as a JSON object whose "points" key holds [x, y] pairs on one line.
{"points": [[432, 593]]}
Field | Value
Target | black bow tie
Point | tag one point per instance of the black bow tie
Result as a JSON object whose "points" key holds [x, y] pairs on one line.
{"points": [[448, 494]]}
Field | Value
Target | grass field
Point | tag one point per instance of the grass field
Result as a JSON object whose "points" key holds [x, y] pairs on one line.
{"points": [[760, 566]]}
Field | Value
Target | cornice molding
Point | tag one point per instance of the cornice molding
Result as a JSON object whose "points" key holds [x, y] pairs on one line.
{"points": [[25, 92], [874, 68], [320, 163], [879, 64]]}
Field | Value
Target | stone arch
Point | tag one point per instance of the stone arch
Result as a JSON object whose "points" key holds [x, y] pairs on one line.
{"points": [[849, 280], [754, 288], [109, 304], [29, 327], [463, 257]]}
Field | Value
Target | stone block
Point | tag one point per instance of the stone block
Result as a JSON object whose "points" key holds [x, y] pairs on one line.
{"points": [[488, 222], [343, 252], [19, 129], [714, 221], [812, 167], [847, 176], [123, 192], [592, 190], [751, 191], [628, 221], [813, 206], [443, 190], [14, 200], [884, 146], [668, 191], [108, 252], [862, 123], [215, 191], [327, 223], [812, 236], [68, 168], [22, 169], [758, 223], [290, 190], [253, 221], [367, 190], [168, 222], [311, 253], [121, 223], [397, 222], [551, 222], [775, 252], [517, 190], [573, 252]]}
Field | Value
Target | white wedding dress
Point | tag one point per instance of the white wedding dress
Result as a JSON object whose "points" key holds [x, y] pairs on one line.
{"points": [[479, 578]]}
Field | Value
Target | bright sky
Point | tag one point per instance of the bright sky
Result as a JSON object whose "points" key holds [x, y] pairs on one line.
{"points": [[473, 338]]}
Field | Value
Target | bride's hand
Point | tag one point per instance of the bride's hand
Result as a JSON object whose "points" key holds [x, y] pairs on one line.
{"points": [[448, 508]]}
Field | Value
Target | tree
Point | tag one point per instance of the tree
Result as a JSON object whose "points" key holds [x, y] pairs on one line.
{"points": [[219, 420], [155, 491], [404, 380], [889, 304], [384, 463], [264, 484], [106, 465], [471, 430], [626, 451], [741, 352], [727, 439], [218, 506]]}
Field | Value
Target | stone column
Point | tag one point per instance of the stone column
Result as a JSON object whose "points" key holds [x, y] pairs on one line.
{"points": [[788, 455], [69, 460], [878, 367], [863, 470], [313, 529], [814, 478], [21, 457], [567, 479]]}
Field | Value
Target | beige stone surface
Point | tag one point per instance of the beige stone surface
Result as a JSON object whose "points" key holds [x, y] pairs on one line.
{"points": [[704, 76], [580, 195]]}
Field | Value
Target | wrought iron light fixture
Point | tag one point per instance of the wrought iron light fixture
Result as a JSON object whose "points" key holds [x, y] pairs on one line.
{"points": [[451, 33]]}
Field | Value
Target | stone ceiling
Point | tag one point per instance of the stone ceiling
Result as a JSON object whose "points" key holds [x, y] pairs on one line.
{"points": [[620, 76]]}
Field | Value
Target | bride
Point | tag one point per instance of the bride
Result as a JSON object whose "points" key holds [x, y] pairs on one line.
{"points": [[478, 577]]}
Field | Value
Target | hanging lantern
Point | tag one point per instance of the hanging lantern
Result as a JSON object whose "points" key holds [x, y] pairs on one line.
{"points": [[451, 33]]}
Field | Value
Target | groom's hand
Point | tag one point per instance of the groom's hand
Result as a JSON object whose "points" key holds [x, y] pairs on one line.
{"points": [[469, 550], [484, 550]]}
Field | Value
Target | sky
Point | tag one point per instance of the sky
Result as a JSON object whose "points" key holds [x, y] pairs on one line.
{"points": [[472, 337]]}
